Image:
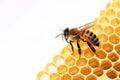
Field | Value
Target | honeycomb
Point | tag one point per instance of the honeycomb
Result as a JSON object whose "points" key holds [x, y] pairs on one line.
{"points": [[102, 65]]}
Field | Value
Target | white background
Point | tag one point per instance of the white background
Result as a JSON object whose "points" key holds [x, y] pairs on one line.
{"points": [[28, 29]]}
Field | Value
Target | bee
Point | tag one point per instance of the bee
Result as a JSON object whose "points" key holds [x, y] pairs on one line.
{"points": [[81, 34]]}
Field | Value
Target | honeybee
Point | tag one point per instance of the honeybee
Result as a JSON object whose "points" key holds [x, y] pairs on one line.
{"points": [[81, 33]]}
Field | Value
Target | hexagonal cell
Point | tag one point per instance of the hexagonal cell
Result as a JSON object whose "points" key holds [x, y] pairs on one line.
{"points": [[91, 77], [98, 71], [78, 77], [118, 14], [113, 56], [116, 66], [109, 5], [101, 54], [117, 48], [106, 64], [70, 61], [83, 46], [116, 5], [96, 20], [88, 53], [73, 70], [102, 13], [93, 62], [104, 20], [103, 37], [112, 74], [114, 39], [66, 51], [85, 70], [42, 75], [66, 77], [110, 12], [50, 68], [107, 47], [62, 69], [97, 28], [58, 60], [108, 30], [117, 30], [81, 62], [115, 22], [54, 76]]}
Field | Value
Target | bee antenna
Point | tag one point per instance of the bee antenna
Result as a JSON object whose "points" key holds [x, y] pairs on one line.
{"points": [[62, 37], [59, 35]]}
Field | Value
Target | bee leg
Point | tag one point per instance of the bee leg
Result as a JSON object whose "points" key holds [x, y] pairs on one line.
{"points": [[71, 47], [79, 49], [91, 47]]}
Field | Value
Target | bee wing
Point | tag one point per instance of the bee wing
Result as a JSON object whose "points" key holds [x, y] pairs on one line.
{"points": [[86, 26]]}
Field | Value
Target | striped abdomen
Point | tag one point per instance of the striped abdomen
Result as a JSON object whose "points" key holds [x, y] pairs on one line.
{"points": [[92, 38]]}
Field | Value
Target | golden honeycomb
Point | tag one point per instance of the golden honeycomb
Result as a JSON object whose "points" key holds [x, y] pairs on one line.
{"points": [[102, 65]]}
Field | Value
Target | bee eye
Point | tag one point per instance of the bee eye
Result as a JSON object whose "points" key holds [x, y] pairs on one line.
{"points": [[66, 31]]}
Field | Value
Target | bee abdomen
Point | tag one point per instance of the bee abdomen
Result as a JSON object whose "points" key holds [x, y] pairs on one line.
{"points": [[93, 38], [96, 42]]}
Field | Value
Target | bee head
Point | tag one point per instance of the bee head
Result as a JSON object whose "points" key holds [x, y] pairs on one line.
{"points": [[64, 33]]}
